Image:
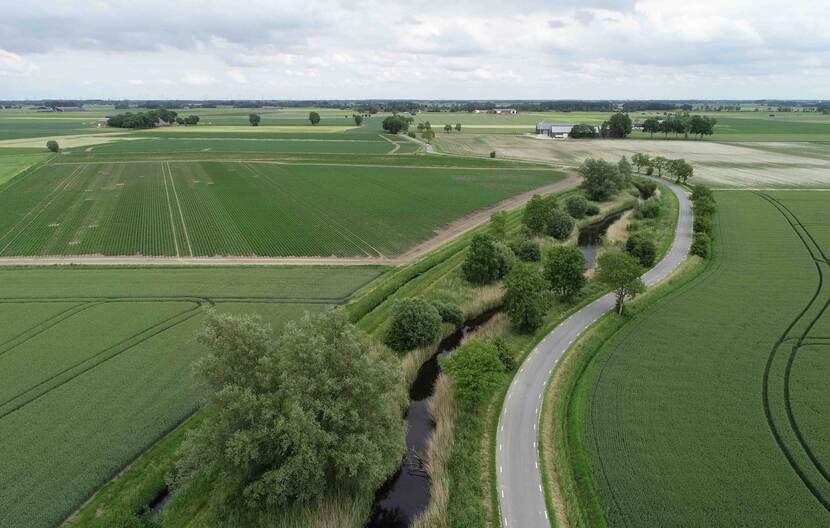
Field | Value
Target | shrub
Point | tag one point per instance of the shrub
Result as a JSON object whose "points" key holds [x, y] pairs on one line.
{"points": [[415, 323], [704, 207], [647, 188], [504, 258], [703, 224], [505, 356], [701, 245], [649, 170], [529, 251], [498, 225], [559, 224], [563, 269], [601, 180], [643, 248], [625, 168], [52, 145], [592, 210], [577, 206], [493, 154], [524, 298], [475, 371], [648, 209], [450, 313]]}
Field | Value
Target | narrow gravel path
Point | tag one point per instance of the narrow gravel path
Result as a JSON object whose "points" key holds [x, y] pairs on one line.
{"points": [[521, 498]]}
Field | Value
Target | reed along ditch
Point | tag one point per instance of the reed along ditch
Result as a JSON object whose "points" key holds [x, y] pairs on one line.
{"points": [[406, 494]]}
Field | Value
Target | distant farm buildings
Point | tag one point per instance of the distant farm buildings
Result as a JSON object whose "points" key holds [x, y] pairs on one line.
{"points": [[554, 130]]}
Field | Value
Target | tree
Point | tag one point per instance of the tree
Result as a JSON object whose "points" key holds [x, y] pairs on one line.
{"points": [[529, 251], [420, 127], [651, 125], [535, 214], [563, 269], [428, 134], [314, 117], [458, 127], [621, 273], [577, 206], [191, 120], [498, 225], [659, 163], [395, 123], [619, 125], [448, 128], [475, 371], [485, 261], [559, 224], [650, 208], [358, 119], [583, 131], [524, 297], [701, 245], [254, 119], [640, 160], [292, 419], [601, 180], [52, 145], [415, 323], [642, 248], [680, 169], [624, 168]]}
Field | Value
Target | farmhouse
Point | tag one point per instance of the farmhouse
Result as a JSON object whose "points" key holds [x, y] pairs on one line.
{"points": [[554, 130], [500, 111]]}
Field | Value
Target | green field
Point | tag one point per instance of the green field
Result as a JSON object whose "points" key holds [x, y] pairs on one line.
{"points": [[95, 366], [240, 208], [709, 409]]}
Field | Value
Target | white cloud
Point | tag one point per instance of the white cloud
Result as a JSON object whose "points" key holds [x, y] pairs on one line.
{"points": [[198, 78], [238, 76], [136, 82], [14, 64]]}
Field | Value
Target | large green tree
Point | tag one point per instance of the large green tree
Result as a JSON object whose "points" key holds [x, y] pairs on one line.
{"points": [[621, 273], [475, 371], [524, 297], [254, 119], [487, 260], [619, 125], [535, 214], [314, 117], [316, 411], [600, 180], [564, 270], [415, 323]]}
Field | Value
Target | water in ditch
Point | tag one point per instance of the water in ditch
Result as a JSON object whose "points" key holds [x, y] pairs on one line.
{"points": [[590, 238], [407, 492]]}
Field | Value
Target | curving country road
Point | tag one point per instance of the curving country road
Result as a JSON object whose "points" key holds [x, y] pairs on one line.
{"points": [[522, 501]]}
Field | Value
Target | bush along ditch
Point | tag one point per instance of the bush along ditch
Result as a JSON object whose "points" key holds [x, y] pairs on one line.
{"points": [[704, 207]]}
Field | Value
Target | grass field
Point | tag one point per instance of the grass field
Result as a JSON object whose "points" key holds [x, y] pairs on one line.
{"points": [[709, 408], [95, 366], [242, 209]]}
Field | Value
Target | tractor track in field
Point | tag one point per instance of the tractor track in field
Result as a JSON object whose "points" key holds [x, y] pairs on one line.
{"points": [[819, 257], [20, 400]]}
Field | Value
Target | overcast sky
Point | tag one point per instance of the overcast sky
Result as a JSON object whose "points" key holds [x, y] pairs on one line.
{"points": [[422, 49]]}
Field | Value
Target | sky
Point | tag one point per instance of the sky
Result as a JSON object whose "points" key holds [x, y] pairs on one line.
{"points": [[423, 49]]}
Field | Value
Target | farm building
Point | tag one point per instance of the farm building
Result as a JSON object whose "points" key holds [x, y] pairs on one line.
{"points": [[69, 109], [554, 130], [500, 111]]}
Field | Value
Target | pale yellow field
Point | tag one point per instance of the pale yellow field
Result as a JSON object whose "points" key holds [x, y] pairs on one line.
{"points": [[761, 165], [80, 140]]}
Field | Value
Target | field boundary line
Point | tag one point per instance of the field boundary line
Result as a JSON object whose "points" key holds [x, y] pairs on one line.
{"points": [[179, 205], [170, 210], [265, 161], [397, 145]]}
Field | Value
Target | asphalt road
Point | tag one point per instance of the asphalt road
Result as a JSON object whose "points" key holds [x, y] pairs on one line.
{"points": [[519, 482]]}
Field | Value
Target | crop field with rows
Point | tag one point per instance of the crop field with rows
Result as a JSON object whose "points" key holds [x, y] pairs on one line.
{"points": [[95, 366], [234, 208], [710, 408]]}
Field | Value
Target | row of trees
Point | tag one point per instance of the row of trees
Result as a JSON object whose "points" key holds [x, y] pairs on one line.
{"points": [[696, 125], [143, 119], [680, 169], [704, 206]]}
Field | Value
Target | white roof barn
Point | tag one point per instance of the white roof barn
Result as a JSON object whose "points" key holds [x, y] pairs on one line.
{"points": [[554, 129]]}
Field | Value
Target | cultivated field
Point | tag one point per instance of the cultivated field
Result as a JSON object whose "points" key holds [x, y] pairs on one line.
{"points": [[95, 366], [242, 209], [749, 164], [708, 409]]}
